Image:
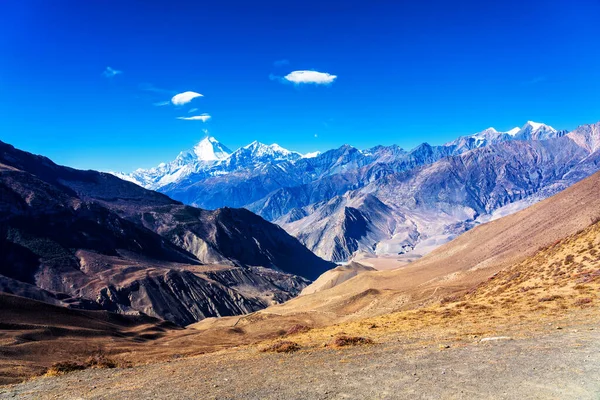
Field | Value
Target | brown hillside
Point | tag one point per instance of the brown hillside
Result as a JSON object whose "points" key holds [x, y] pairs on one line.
{"points": [[455, 267]]}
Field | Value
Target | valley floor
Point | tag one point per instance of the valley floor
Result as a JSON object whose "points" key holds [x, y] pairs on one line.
{"points": [[550, 363]]}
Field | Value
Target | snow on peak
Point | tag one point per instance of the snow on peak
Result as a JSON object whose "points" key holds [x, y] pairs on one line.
{"points": [[513, 131], [277, 148], [260, 149], [209, 149], [312, 155], [536, 126]]}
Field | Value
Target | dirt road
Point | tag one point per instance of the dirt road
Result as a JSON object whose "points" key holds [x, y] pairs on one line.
{"points": [[558, 364]]}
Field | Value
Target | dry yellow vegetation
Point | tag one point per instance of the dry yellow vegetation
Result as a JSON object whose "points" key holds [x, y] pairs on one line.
{"points": [[559, 285]]}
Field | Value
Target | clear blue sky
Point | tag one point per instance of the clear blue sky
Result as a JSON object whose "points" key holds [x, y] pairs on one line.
{"points": [[406, 73]]}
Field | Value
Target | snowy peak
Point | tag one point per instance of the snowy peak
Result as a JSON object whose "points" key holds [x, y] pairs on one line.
{"points": [[530, 131], [312, 154], [491, 129], [536, 131], [261, 151], [210, 149], [531, 126], [513, 131], [536, 126]]}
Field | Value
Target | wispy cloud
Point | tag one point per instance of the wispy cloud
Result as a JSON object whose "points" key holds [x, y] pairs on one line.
{"points": [[281, 63], [310, 77], [203, 118], [111, 72], [184, 98], [162, 103], [192, 110], [148, 87], [535, 80]]}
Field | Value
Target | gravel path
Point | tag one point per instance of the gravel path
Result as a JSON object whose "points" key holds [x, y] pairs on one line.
{"points": [[564, 364]]}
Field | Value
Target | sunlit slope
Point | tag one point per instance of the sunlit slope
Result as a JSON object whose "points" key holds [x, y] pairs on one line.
{"points": [[460, 264]]}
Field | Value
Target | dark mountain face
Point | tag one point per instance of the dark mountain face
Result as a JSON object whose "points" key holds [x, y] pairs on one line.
{"points": [[91, 236]]}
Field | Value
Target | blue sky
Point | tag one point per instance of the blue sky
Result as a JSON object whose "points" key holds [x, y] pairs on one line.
{"points": [[405, 72]]}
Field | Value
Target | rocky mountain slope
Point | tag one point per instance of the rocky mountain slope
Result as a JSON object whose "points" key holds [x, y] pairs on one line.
{"points": [[461, 264], [386, 200], [425, 206], [90, 240]]}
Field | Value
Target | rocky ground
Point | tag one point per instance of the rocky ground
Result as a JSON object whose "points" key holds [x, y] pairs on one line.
{"points": [[552, 364]]}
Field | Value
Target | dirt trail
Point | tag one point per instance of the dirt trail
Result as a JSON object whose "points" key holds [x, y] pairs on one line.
{"points": [[557, 364]]}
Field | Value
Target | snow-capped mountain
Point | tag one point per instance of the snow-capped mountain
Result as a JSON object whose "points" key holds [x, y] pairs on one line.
{"points": [[204, 154], [536, 131], [208, 158], [312, 154], [530, 131], [258, 153], [321, 198], [210, 149]]}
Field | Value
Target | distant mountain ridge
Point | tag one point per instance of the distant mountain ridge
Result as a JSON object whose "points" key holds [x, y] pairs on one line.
{"points": [[348, 200], [208, 158]]}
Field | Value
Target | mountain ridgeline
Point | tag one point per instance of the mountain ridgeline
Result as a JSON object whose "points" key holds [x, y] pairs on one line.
{"points": [[90, 240], [383, 200]]}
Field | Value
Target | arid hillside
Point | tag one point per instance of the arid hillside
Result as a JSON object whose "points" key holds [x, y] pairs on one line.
{"points": [[530, 331], [459, 265], [519, 277]]}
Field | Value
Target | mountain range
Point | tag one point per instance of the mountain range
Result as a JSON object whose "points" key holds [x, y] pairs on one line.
{"points": [[89, 240], [382, 200]]}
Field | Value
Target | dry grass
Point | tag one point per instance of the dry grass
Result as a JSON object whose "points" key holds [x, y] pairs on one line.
{"points": [[519, 300], [297, 329], [284, 346], [65, 367], [97, 360], [343, 341]]}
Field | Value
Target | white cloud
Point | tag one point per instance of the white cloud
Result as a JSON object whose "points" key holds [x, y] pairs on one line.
{"points": [[314, 77], [162, 103], [184, 98], [192, 110], [203, 118], [110, 72]]}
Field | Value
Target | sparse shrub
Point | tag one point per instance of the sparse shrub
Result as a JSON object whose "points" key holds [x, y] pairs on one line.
{"points": [[61, 368], [449, 299], [100, 361], [97, 360], [569, 259], [513, 276], [343, 340], [450, 313], [284, 346], [549, 298], [297, 329], [583, 302]]}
